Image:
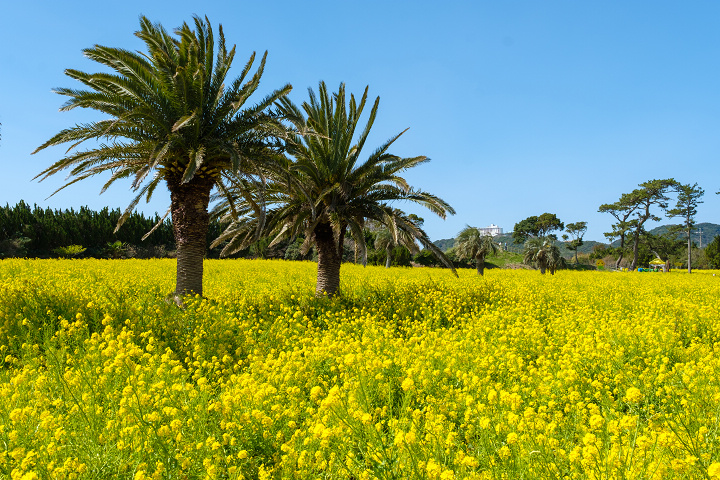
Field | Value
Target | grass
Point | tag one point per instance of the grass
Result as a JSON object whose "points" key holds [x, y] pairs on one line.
{"points": [[502, 259]]}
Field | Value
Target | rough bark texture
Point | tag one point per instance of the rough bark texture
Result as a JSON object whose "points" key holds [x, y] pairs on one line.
{"points": [[190, 217], [636, 244], [622, 247], [480, 264], [636, 238], [328, 276], [387, 259]]}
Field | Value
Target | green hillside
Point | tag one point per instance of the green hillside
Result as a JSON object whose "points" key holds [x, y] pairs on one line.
{"points": [[709, 231], [445, 244]]}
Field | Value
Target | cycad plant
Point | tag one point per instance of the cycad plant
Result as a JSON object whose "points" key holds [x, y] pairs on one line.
{"points": [[171, 119], [472, 244], [542, 253], [388, 238], [328, 191]]}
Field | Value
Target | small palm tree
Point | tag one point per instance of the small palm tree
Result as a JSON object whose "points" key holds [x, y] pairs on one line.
{"points": [[555, 259], [472, 244], [389, 238], [543, 254], [384, 241], [326, 192], [173, 120]]}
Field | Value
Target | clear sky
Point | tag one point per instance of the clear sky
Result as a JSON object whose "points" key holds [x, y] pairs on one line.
{"points": [[524, 107]]}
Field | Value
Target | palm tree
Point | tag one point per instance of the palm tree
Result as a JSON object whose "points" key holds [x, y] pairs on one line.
{"points": [[172, 118], [386, 241], [471, 243], [555, 259], [326, 192], [543, 254]]}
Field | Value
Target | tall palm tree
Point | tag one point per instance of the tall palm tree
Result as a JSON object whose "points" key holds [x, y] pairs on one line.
{"points": [[471, 243], [327, 192], [543, 254], [172, 119]]}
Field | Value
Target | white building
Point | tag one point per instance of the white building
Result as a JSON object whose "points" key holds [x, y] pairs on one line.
{"points": [[491, 230]]}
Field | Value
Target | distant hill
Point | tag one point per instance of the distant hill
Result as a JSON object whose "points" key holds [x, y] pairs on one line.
{"points": [[709, 231], [586, 247], [445, 244]]}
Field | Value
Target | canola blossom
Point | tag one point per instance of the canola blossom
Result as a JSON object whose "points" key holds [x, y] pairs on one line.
{"points": [[408, 373]]}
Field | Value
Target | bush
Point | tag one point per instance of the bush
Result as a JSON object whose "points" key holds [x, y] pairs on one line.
{"points": [[116, 249], [425, 258], [71, 251], [14, 247]]}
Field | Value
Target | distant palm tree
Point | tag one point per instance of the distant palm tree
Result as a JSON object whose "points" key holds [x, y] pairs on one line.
{"points": [[327, 192], [472, 244], [555, 259], [172, 119], [388, 238], [543, 254]]}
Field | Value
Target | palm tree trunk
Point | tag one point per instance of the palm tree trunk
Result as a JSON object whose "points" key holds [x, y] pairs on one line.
{"points": [[328, 276], [190, 217], [387, 259], [480, 264]]}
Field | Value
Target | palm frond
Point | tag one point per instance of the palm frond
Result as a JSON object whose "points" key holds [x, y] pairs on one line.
{"points": [[170, 113], [326, 182]]}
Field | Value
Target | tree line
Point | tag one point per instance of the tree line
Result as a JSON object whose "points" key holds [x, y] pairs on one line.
{"points": [[647, 202], [628, 237], [27, 231], [35, 232]]}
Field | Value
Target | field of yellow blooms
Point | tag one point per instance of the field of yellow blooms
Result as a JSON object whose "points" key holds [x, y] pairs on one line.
{"points": [[410, 373]]}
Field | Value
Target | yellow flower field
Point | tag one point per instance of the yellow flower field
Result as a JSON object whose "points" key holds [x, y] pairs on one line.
{"points": [[410, 373]]}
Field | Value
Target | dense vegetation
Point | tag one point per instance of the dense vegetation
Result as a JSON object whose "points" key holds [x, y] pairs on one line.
{"points": [[410, 373], [27, 231], [36, 232], [46, 233]]}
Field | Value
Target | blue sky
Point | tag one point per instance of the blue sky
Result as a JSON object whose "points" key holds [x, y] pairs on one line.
{"points": [[524, 107]]}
